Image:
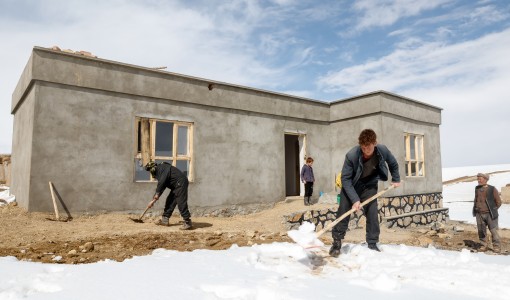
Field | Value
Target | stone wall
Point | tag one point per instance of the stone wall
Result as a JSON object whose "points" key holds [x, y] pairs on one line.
{"points": [[403, 211], [416, 219], [392, 206]]}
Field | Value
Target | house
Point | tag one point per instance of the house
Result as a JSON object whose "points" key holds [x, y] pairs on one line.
{"points": [[88, 124]]}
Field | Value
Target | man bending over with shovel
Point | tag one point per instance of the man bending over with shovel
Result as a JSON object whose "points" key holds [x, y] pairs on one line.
{"points": [[170, 177], [363, 167]]}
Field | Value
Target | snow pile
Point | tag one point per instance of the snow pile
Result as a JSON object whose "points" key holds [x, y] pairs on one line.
{"points": [[270, 271], [277, 271], [6, 197], [305, 236]]}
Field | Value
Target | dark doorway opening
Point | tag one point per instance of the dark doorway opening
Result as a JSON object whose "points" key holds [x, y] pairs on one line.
{"points": [[292, 165]]}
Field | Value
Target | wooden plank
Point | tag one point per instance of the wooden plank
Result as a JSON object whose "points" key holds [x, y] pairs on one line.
{"points": [[146, 142], [190, 153], [174, 144], [54, 201]]}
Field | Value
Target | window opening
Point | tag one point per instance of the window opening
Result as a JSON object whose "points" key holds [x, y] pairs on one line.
{"points": [[163, 141], [415, 158]]}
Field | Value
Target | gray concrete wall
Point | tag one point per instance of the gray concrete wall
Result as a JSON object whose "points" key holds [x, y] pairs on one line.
{"points": [[100, 74], [384, 102], [84, 142], [393, 130], [23, 85], [21, 158], [396, 116]]}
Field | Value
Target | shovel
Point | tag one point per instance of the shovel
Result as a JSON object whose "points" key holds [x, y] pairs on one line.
{"points": [[332, 224], [311, 240], [139, 220]]}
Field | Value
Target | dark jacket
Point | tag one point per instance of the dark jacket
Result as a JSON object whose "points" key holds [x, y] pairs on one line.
{"points": [[168, 176], [353, 168], [307, 174], [492, 200]]}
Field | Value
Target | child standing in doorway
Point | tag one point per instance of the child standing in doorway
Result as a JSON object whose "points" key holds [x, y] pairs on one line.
{"points": [[308, 179]]}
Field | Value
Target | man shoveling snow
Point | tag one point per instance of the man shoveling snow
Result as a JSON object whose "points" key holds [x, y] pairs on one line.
{"points": [[364, 166]]}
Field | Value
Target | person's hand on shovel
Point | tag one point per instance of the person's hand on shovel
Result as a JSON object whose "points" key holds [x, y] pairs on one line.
{"points": [[154, 199], [356, 205]]}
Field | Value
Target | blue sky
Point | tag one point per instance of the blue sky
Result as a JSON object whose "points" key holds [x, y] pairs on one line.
{"points": [[449, 53]]}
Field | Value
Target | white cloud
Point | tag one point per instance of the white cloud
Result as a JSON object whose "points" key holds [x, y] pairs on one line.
{"points": [[427, 65], [468, 80], [211, 42], [386, 12]]}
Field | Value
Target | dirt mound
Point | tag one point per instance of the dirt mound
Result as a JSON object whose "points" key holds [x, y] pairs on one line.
{"points": [[86, 239]]}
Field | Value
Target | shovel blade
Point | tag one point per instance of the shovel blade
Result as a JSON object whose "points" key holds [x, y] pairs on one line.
{"points": [[136, 220]]}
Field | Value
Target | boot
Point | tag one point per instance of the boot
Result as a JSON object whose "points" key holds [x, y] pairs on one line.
{"points": [[496, 248], [187, 225], [163, 222], [373, 246], [306, 201], [483, 247], [334, 251]]}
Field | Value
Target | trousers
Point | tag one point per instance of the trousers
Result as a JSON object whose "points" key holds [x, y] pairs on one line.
{"points": [[178, 196], [370, 211]]}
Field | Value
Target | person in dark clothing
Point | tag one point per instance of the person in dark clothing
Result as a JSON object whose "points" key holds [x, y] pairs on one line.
{"points": [[363, 167], [308, 179], [485, 209], [170, 177]]}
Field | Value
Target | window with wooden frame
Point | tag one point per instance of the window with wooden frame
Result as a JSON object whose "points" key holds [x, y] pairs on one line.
{"points": [[415, 156], [163, 141]]}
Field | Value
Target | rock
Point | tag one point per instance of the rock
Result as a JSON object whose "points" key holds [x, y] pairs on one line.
{"points": [[88, 246], [444, 236], [431, 233], [72, 253], [425, 241], [439, 227], [458, 229]]}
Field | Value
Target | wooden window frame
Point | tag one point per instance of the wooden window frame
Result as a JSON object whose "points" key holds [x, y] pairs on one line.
{"points": [[419, 155], [148, 144]]}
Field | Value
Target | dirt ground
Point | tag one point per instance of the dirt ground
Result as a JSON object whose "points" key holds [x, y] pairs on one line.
{"points": [[86, 239]]}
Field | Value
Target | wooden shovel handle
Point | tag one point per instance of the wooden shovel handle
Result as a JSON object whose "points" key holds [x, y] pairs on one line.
{"points": [[332, 224], [54, 201]]}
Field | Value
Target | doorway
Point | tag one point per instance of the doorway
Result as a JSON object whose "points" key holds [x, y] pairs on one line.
{"points": [[294, 152]]}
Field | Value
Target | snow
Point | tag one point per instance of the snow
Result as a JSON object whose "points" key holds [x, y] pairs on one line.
{"points": [[6, 196], [305, 236], [273, 271], [452, 173]]}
